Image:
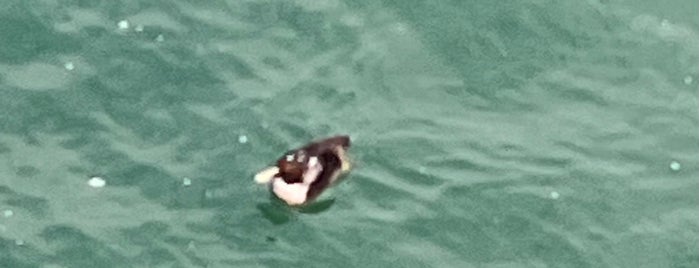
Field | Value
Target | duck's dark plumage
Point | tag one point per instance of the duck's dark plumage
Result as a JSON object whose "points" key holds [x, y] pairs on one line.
{"points": [[332, 165], [291, 171], [310, 169]]}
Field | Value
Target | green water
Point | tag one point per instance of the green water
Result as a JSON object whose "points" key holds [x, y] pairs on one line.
{"points": [[486, 133]]}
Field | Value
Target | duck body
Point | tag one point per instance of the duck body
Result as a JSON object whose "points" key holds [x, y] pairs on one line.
{"points": [[302, 174]]}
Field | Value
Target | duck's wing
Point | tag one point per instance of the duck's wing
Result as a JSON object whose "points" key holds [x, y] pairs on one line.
{"points": [[331, 170]]}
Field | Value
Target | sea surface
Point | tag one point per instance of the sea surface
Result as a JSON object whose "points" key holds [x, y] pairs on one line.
{"points": [[532, 133]]}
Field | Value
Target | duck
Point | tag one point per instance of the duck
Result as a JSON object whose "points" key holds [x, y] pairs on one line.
{"points": [[302, 174]]}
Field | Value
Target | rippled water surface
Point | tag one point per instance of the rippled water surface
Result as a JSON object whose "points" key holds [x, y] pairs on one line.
{"points": [[486, 133]]}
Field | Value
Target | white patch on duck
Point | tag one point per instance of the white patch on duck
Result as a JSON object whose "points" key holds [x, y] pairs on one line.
{"points": [[314, 169], [292, 194], [295, 193], [301, 157]]}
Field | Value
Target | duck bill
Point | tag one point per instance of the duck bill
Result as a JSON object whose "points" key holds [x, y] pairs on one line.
{"points": [[266, 175]]}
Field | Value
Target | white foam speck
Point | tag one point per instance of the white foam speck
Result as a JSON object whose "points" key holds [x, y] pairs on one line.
{"points": [[123, 25], [687, 80], [8, 213], [19, 242], [554, 195], [69, 66], [422, 170], [352, 20], [186, 181], [96, 182], [191, 246], [242, 139], [400, 28], [664, 23], [160, 38], [139, 28], [675, 166]]}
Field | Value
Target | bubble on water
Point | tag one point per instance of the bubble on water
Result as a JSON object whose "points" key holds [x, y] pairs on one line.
{"points": [[400, 28], [186, 181], [422, 170], [69, 66], [96, 182], [664, 23], [160, 38], [139, 28], [8, 213], [554, 195], [123, 25], [687, 80], [352, 20], [675, 166], [242, 139]]}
